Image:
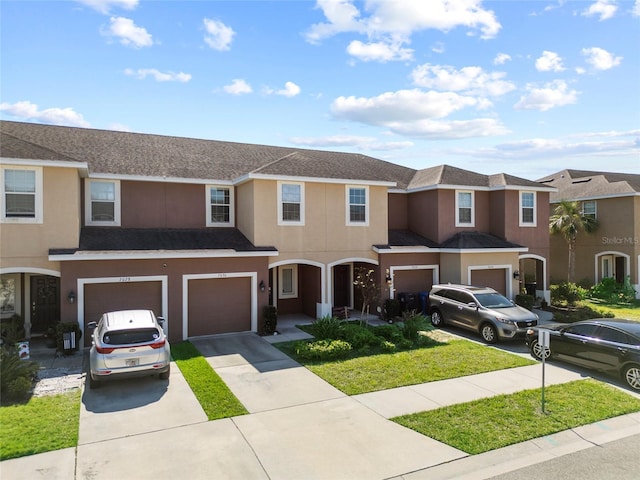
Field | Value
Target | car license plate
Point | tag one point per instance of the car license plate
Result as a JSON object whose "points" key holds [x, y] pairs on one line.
{"points": [[132, 362]]}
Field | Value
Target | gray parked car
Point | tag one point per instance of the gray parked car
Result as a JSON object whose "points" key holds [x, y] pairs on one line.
{"points": [[128, 343], [480, 309]]}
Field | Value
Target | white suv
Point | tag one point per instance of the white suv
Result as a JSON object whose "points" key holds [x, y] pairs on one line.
{"points": [[481, 309], [128, 343]]}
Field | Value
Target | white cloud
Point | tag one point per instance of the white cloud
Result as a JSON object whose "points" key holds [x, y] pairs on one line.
{"points": [[379, 51], [600, 59], [105, 6], [549, 62], [501, 59], [554, 94], [388, 25], [290, 90], [605, 9], [471, 80], [438, 47], [128, 33], [119, 127], [449, 130], [238, 87], [159, 76], [219, 36], [54, 116], [359, 142], [636, 9]]}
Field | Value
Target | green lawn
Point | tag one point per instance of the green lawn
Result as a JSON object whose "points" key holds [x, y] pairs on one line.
{"points": [[213, 394], [40, 425], [632, 312], [496, 422], [370, 373]]}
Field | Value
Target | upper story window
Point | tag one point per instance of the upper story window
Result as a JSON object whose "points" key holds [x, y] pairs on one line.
{"points": [[220, 206], [465, 215], [290, 203], [102, 202], [21, 195], [589, 209], [527, 209], [357, 206]]}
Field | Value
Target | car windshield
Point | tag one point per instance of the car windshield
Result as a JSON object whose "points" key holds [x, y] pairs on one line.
{"points": [[125, 337], [493, 300]]}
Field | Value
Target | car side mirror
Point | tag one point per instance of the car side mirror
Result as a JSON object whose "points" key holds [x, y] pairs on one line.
{"points": [[92, 325], [160, 321], [473, 305]]}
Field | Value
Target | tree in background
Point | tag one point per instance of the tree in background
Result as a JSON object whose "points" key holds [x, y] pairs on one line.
{"points": [[568, 220]]}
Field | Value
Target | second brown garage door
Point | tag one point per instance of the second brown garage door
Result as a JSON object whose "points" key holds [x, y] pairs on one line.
{"points": [[494, 278], [219, 305], [107, 297]]}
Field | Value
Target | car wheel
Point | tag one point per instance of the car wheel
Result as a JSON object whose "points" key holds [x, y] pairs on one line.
{"points": [[538, 350], [436, 319], [632, 376], [489, 333], [165, 375], [93, 384]]}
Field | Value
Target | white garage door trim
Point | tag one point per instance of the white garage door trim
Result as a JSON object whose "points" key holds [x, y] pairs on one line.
{"points": [[153, 278], [435, 275], [253, 276]]}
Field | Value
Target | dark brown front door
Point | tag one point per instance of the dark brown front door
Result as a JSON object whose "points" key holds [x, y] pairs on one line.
{"points": [[341, 286], [45, 303], [619, 269]]}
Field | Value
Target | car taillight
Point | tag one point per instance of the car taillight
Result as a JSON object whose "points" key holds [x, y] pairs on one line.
{"points": [[159, 344], [104, 349]]}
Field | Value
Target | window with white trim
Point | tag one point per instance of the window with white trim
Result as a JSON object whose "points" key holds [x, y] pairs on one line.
{"points": [[465, 215], [589, 209], [102, 202], [290, 203], [220, 206], [22, 195], [357, 205], [528, 209], [288, 281]]}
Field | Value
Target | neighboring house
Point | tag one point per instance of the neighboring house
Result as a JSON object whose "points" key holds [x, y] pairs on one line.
{"points": [[206, 233], [613, 250]]}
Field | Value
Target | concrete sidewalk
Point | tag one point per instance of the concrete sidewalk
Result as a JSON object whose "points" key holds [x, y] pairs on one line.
{"points": [[299, 427]]}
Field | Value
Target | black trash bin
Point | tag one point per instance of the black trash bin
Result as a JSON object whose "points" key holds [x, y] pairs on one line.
{"points": [[530, 288]]}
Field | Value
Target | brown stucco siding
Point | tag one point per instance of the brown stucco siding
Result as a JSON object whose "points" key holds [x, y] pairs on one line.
{"points": [[398, 211], [162, 205]]}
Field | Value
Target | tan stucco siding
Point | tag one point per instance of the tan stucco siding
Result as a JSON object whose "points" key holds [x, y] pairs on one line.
{"points": [[245, 210], [27, 245], [456, 267], [324, 228]]}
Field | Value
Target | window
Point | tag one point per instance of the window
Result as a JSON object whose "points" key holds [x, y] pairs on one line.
{"points": [[357, 206], [464, 209], [290, 203], [288, 281], [22, 195], [220, 206], [612, 335], [582, 330], [527, 209], [589, 209], [102, 202]]}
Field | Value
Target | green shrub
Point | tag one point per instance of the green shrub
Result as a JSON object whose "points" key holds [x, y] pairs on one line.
{"points": [[392, 333], [327, 327], [322, 349], [612, 292], [16, 375], [525, 301], [412, 324], [270, 314], [359, 336], [12, 329], [388, 347], [567, 293]]}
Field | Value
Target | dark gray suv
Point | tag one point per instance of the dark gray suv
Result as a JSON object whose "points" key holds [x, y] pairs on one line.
{"points": [[480, 309]]}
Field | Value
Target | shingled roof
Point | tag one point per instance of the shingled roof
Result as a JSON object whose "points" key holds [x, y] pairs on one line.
{"points": [[579, 184], [160, 156], [476, 240]]}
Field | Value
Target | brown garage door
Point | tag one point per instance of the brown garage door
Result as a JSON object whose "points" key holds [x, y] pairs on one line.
{"points": [[494, 278], [106, 297], [219, 305], [413, 281]]}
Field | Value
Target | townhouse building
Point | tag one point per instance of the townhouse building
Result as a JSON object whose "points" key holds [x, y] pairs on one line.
{"points": [[206, 233], [613, 250]]}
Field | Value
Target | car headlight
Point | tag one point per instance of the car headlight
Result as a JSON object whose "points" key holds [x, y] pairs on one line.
{"points": [[530, 331], [505, 320]]}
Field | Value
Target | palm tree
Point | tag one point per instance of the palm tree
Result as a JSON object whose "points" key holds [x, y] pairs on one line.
{"points": [[568, 220]]}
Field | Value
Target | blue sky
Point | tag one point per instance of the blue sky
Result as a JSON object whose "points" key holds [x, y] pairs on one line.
{"points": [[521, 87]]}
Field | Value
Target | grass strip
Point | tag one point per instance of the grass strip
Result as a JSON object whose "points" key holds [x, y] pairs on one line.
{"points": [[371, 373], [496, 422], [41, 425], [213, 394]]}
